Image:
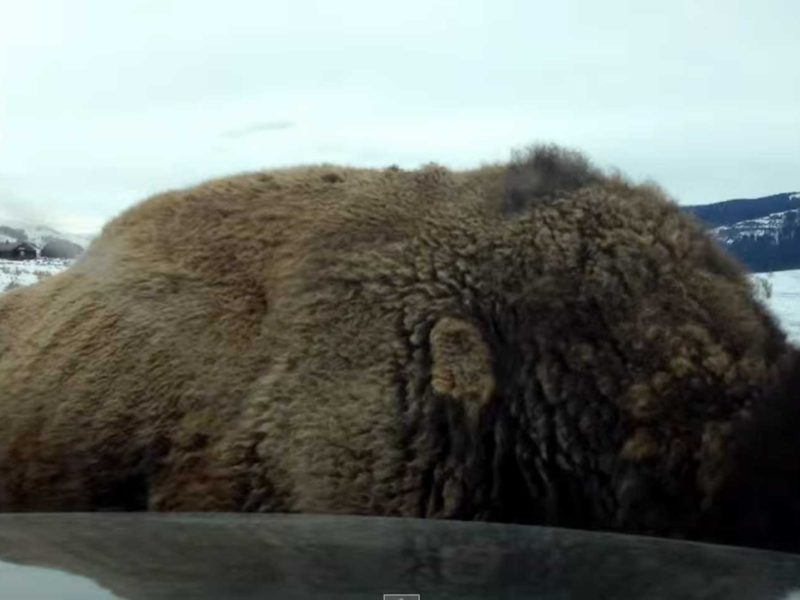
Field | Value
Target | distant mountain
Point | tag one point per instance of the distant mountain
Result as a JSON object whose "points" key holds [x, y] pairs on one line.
{"points": [[43, 236], [730, 212], [763, 233]]}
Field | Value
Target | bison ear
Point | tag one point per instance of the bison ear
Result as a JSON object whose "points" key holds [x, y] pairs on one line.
{"points": [[462, 363]]}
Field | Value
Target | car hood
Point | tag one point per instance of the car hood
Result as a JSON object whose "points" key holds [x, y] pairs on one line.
{"points": [[136, 556]]}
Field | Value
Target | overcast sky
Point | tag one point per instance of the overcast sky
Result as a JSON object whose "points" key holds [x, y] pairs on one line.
{"points": [[105, 102]]}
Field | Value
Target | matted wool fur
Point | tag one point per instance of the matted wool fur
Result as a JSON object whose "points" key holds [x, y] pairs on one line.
{"points": [[535, 342]]}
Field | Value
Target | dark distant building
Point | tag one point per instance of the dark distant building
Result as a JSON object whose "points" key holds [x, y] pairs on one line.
{"points": [[18, 251], [58, 248]]}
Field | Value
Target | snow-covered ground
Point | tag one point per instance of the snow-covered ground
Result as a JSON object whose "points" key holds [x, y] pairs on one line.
{"points": [[15, 273], [785, 300]]}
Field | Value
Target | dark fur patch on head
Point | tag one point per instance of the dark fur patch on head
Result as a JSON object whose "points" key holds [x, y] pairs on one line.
{"points": [[760, 505], [540, 172], [332, 178]]}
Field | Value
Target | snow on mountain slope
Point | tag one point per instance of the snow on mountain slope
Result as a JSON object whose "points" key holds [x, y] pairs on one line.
{"points": [[13, 230], [768, 226], [762, 233]]}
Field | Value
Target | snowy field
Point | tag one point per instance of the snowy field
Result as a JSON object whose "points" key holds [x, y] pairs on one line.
{"points": [[781, 292], [785, 300], [16, 273]]}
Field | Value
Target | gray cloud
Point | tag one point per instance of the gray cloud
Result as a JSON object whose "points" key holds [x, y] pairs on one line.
{"points": [[256, 128]]}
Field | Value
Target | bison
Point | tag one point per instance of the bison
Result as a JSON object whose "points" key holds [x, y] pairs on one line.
{"points": [[533, 342]]}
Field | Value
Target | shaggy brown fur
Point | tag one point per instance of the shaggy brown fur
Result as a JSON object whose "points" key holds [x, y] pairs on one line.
{"points": [[533, 342]]}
